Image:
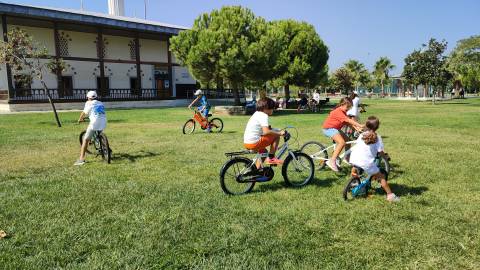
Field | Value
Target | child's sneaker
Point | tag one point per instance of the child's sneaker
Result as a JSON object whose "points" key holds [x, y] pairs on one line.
{"points": [[333, 167], [392, 197], [274, 161], [79, 162]]}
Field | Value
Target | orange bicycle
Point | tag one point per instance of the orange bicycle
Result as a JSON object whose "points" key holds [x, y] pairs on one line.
{"points": [[213, 125]]}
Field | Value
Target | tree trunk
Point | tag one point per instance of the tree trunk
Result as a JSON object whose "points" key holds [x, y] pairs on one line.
{"points": [[287, 92], [383, 93], [236, 95], [52, 104], [425, 91]]}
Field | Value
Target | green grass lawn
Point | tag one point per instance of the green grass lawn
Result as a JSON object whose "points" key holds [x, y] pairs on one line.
{"points": [[159, 204]]}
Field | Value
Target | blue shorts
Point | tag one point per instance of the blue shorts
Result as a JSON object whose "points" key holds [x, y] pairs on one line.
{"points": [[205, 112], [330, 132]]}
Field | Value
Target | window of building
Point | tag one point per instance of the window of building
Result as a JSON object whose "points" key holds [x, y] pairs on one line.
{"points": [[133, 53], [63, 40], [22, 84], [67, 85]]}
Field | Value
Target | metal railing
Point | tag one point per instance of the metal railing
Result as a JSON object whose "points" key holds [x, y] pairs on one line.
{"points": [[39, 95]]}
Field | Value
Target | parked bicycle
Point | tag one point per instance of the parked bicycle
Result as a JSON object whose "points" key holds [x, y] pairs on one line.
{"points": [[215, 124], [240, 174], [100, 144], [360, 184], [318, 152]]}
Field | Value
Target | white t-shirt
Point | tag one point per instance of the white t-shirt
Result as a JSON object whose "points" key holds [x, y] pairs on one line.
{"points": [[316, 97], [254, 130], [354, 110], [96, 113], [363, 155]]}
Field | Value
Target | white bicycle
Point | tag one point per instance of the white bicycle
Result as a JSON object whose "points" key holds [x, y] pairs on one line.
{"points": [[318, 152]]}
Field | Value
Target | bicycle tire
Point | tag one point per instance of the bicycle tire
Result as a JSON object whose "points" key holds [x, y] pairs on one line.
{"points": [[301, 159], [347, 194], [80, 138], [216, 125], [225, 183], [105, 148], [315, 148], [189, 123]]}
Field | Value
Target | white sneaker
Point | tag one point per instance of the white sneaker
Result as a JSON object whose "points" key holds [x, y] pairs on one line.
{"points": [[333, 167], [79, 162], [393, 198]]}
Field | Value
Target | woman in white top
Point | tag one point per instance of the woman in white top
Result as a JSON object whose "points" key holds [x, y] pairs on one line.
{"points": [[369, 144], [354, 111]]}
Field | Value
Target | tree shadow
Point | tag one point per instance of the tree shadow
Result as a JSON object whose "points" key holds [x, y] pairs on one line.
{"points": [[403, 190], [134, 157]]}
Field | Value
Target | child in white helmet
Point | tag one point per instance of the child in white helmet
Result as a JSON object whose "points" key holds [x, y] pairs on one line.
{"points": [[95, 110], [204, 107]]}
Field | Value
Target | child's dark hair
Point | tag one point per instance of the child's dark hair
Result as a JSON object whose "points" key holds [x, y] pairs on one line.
{"points": [[344, 101], [265, 104], [372, 124]]}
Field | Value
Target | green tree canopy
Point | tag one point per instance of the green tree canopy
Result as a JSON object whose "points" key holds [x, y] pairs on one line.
{"points": [[232, 44], [464, 62], [427, 66], [343, 80], [303, 58]]}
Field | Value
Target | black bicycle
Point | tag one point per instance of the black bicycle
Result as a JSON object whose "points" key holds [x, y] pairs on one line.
{"points": [[239, 174], [100, 143]]}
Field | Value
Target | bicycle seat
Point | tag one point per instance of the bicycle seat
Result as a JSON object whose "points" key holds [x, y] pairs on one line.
{"points": [[239, 153], [209, 115]]}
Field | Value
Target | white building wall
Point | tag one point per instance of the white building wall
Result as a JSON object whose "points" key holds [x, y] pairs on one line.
{"points": [[84, 74], [3, 70], [82, 44], [49, 78], [117, 47], [153, 50], [120, 74], [148, 79], [42, 36], [182, 76]]}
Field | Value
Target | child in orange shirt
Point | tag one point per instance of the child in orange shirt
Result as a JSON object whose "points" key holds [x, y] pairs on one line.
{"points": [[332, 129]]}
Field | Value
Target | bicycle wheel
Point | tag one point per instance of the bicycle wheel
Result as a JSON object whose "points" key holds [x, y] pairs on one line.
{"points": [[383, 164], [230, 173], [189, 127], [216, 125], [105, 148], [80, 138], [317, 152], [347, 191], [298, 171]]}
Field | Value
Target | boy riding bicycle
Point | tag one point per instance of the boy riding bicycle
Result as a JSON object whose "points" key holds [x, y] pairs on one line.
{"points": [[204, 107], [95, 110], [369, 144], [258, 134]]}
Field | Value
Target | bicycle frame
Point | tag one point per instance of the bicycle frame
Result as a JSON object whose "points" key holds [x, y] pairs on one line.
{"points": [[261, 156], [319, 155]]}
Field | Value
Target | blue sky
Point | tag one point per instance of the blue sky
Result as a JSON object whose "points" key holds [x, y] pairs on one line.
{"points": [[352, 29]]}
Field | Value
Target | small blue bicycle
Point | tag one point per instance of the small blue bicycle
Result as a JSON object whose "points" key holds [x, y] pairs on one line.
{"points": [[359, 184]]}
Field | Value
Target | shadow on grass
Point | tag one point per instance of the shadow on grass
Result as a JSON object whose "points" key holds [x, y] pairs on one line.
{"points": [[403, 190], [395, 171], [134, 156], [327, 182]]}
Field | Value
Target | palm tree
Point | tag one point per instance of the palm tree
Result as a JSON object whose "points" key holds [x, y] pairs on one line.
{"points": [[381, 69], [356, 69]]}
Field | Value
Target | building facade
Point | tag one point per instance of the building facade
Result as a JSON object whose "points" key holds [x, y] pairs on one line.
{"points": [[123, 59]]}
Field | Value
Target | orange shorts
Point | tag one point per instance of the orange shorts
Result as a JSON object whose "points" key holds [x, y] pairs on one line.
{"points": [[264, 141]]}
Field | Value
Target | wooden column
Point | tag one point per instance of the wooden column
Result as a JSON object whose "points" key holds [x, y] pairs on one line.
{"points": [[11, 93], [170, 77], [100, 45], [138, 87], [56, 38]]}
